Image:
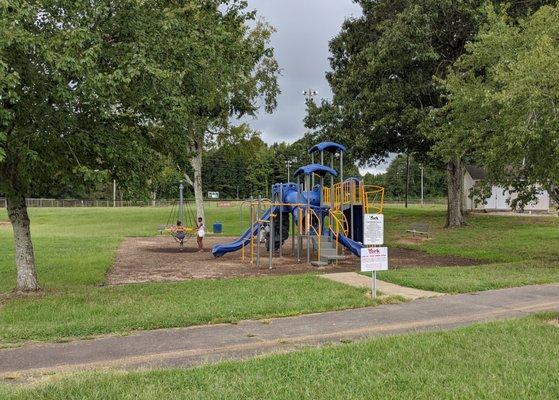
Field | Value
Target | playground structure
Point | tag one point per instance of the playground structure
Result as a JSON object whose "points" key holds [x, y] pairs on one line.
{"points": [[318, 218], [180, 213]]}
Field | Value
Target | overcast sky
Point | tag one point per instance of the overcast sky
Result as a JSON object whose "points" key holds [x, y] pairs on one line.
{"points": [[304, 29]]}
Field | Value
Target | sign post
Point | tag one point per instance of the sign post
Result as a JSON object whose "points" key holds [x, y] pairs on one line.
{"points": [[374, 259]]}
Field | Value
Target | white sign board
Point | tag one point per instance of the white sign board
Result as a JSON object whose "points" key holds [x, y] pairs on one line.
{"points": [[374, 259], [213, 195], [373, 229]]}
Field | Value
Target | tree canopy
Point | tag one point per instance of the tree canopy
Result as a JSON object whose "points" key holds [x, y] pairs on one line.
{"points": [[105, 87], [503, 102], [386, 70], [383, 65]]}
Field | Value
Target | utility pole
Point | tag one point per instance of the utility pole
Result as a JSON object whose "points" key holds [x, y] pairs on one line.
{"points": [[421, 185], [114, 192], [407, 178]]}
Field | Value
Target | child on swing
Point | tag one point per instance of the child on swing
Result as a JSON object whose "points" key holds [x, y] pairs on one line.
{"points": [[179, 233]]}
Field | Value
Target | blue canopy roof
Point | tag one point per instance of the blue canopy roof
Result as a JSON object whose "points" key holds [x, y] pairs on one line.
{"points": [[330, 147], [316, 169]]}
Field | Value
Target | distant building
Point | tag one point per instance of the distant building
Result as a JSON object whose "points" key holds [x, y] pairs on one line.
{"points": [[500, 197]]}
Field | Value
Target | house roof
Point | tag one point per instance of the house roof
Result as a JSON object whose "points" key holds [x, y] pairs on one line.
{"points": [[477, 173]]}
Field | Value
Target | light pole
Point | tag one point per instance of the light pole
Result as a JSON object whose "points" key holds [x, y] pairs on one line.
{"points": [[421, 185], [309, 94], [289, 163]]}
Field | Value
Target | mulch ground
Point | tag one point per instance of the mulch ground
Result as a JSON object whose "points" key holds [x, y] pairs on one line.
{"points": [[159, 259]]}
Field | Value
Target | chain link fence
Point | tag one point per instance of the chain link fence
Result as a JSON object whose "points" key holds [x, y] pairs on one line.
{"points": [[54, 203], [32, 202]]}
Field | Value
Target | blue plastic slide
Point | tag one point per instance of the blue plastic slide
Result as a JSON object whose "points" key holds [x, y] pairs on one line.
{"points": [[351, 245], [289, 196], [220, 249]]}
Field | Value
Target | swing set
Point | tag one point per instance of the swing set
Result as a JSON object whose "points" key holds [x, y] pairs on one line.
{"points": [[184, 228]]}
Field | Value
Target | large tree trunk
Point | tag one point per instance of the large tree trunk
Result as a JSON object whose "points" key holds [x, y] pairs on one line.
{"points": [[196, 163], [25, 258], [553, 191], [196, 182], [455, 179]]}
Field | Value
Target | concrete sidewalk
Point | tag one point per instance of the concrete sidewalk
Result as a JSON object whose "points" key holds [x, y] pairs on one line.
{"points": [[387, 288], [186, 347]]}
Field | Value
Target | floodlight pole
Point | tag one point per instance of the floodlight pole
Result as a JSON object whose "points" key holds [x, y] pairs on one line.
{"points": [[422, 185], [309, 94]]}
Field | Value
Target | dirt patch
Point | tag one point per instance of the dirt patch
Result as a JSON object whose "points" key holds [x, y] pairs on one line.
{"points": [[554, 322], [413, 240], [409, 258], [5, 224], [159, 259]]}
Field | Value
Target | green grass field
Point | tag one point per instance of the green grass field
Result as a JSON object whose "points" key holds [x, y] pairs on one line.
{"points": [[76, 246], [489, 238], [512, 250], [74, 249], [504, 360]]}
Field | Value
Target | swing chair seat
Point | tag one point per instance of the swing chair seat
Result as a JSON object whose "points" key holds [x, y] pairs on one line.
{"points": [[170, 230]]}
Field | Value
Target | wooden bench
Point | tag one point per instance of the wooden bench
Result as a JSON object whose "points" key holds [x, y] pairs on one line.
{"points": [[419, 229]]}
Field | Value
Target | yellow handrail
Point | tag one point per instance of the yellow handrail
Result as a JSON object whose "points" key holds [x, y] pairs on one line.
{"points": [[373, 198], [343, 223], [350, 192], [326, 195]]}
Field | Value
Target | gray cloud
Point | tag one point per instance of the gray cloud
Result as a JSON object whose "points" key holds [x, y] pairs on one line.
{"points": [[304, 28]]}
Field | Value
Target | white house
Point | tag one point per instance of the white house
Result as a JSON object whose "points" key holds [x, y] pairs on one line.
{"points": [[500, 197]]}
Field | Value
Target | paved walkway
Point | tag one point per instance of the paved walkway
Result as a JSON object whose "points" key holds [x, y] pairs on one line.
{"points": [[185, 347], [388, 289]]}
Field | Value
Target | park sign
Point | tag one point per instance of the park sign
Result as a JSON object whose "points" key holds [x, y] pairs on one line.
{"points": [[373, 229], [374, 259], [213, 195]]}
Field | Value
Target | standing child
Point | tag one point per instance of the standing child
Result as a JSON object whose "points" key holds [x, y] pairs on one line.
{"points": [[201, 233]]}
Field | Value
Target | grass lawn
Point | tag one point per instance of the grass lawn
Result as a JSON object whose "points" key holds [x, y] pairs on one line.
{"points": [[76, 246], [99, 310], [488, 238], [74, 249], [512, 250], [515, 359], [474, 278]]}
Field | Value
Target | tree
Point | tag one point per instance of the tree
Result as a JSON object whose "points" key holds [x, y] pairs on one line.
{"points": [[503, 103], [90, 86], [394, 179], [232, 67], [59, 118], [385, 70]]}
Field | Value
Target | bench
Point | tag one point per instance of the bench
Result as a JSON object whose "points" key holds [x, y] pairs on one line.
{"points": [[419, 229]]}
